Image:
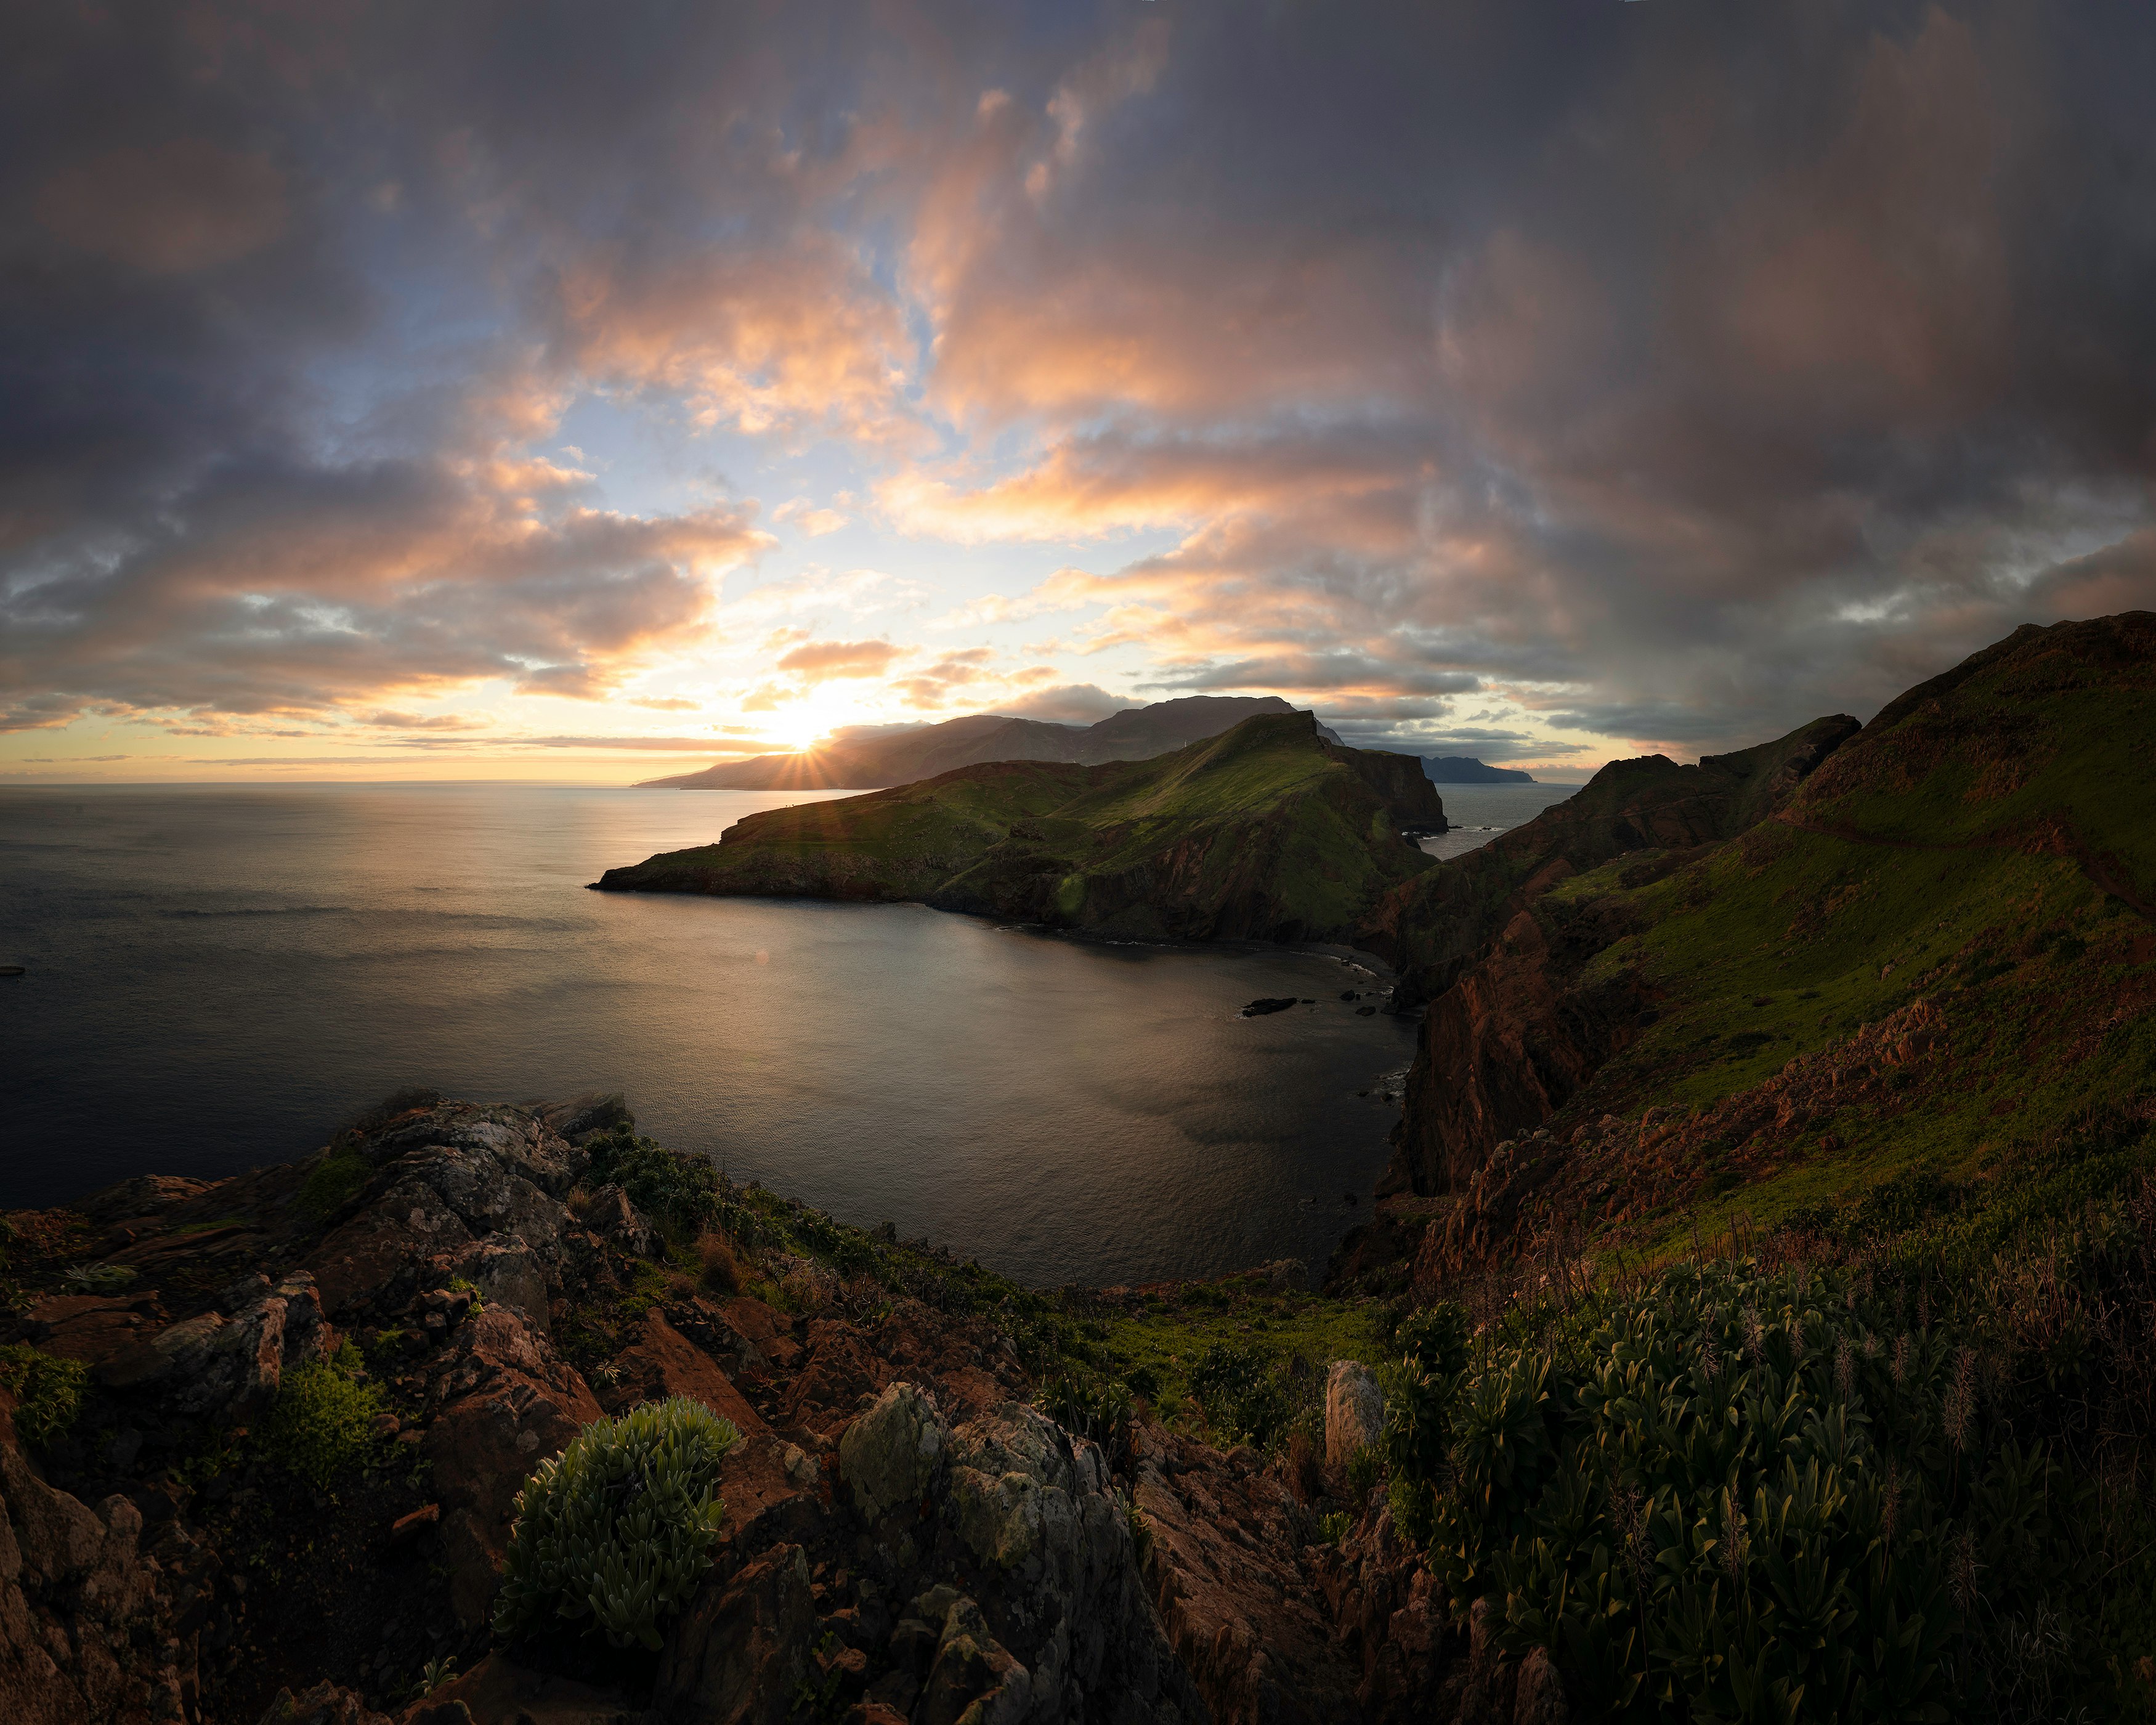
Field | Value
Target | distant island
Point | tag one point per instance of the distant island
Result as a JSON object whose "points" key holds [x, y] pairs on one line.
{"points": [[1268, 831], [917, 751], [1465, 769]]}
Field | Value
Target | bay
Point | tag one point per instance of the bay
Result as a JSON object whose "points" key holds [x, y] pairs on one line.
{"points": [[217, 976]]}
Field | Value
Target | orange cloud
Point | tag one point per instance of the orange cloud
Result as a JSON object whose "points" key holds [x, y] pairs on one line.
{"points": [[822, 660]]}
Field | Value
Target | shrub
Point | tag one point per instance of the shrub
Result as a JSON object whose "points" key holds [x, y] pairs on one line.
{"points": [[619, 1525], [337, 1175], [721, 1271], [1743, 1496], [99, 1278], [1098, 1409], [678, 1192], [48, 1392], [322, 1422], [1243, 1402]]}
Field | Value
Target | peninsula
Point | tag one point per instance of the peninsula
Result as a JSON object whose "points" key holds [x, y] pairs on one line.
{"points": [[1267, 832]]}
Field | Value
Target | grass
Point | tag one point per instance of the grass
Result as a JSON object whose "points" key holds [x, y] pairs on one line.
{"points": [[321, 1427], [338, 1174], [48, 1391], [1265, 828]]}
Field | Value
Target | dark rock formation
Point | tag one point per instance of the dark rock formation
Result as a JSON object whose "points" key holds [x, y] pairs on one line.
{"points": [[905, 1535]]}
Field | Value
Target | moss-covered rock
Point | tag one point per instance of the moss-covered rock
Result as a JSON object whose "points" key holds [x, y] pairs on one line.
{"points": [[891, 1455]]}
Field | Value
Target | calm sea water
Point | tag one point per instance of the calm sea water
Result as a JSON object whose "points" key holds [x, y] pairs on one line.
{"points": [[1478, 812], [217, 976]]}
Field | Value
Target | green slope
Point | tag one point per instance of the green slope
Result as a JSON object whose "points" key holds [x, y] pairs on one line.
{"points": [[1933, 965], [1266, 831]]}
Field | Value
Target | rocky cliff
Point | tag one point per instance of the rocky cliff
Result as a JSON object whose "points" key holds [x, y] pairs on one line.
{"points": [[275, 1426], [1690, 982]]}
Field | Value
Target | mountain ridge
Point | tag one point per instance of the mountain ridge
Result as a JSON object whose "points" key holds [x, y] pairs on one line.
{"points": [[1135, 733]]}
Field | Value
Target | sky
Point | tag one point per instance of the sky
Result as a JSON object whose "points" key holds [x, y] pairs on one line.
{"points": [[570, 392]]}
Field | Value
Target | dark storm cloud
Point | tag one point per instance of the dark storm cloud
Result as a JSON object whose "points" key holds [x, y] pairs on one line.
{"points": [[1680, 370]]}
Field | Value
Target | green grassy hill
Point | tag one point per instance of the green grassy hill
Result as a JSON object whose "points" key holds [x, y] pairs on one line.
{"points": [[1933, 961], [1799, 1186], [1266, 831]]}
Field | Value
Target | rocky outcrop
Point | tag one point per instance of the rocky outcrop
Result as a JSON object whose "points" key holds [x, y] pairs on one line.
{"points": [[223, 1368], [1508, 1044], [1354, 1412], [98, 1617], [504, 1401], [904, 1535]]}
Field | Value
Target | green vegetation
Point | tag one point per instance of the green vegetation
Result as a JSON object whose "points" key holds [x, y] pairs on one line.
{"points": [[619, 1527], [48, 1391], [321, 1424], [1265, 830], [336, 1178], [678, 1192], [1813, 1375], [99, 1278], [1776, 1495]]}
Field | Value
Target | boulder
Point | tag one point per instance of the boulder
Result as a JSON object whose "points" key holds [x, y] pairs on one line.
{"points": [[891, 1457], [506, 1272], [325, 1704], [222, 1368], [1354, 1412], [738, 1655], [508, 1401], [1538, 1695], [973, 1676], [88, 1627], [609, 1215]]}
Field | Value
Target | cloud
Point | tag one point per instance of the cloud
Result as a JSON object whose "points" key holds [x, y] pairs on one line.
{"points": [[1067, 704], [176, 208], [391, 721], [821, 660], [814, 521], [1662, 375]]}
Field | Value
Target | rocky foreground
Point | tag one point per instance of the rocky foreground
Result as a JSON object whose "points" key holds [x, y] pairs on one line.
{"points": [[908, 1536]]}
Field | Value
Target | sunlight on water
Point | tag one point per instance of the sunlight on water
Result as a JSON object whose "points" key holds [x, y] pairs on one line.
{"points": [[217, 976]]}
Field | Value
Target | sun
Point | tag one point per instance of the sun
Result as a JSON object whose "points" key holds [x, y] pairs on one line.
{"points": [[801, 724]]}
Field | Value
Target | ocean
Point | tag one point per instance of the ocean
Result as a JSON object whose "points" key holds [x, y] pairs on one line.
{"points": [[217, 976]]}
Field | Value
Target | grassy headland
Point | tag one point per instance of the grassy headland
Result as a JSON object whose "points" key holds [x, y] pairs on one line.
{"points": [[1266, 831]]}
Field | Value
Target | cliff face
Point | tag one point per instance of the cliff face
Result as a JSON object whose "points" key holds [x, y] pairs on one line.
{"points": [[1510, 1034], [1431, 928], [1699, 982], [1267, 832]]}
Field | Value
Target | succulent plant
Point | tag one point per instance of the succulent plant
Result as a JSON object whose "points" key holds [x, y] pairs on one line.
{"points": [[619, 1527]]}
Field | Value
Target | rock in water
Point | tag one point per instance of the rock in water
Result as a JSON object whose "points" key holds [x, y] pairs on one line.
{"points": [[1354, 1412], [1259, 1009]]}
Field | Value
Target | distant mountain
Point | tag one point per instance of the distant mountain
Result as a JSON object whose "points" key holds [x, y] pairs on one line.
{"points": [[1267, 832], [1136, 733], [1465, 769]]}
